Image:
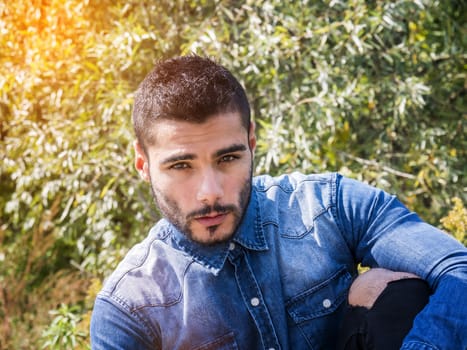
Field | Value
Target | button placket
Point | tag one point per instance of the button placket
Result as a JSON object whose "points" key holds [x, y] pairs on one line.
{"points": [[253, 298]]}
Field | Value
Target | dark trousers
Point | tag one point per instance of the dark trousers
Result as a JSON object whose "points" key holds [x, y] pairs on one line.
{"points": [[384, 326]]}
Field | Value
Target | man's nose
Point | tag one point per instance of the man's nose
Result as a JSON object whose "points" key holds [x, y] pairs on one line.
{"points": [[210, 187]]}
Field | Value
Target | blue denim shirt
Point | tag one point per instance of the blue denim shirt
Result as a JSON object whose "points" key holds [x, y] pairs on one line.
{"points": [[282, 282]]}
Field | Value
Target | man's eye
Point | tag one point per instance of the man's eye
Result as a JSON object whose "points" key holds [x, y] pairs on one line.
{"points": [[228, 158], [179, 166]]}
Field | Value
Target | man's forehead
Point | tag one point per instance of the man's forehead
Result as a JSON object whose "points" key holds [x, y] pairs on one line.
{"points": [[221, 125]]}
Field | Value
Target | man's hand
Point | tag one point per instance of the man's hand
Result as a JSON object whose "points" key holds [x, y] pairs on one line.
{"points": [[369, 285]]}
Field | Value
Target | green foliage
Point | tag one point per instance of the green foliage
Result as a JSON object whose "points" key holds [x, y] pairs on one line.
{"points": [[456, 221], [62, 333], [66, 177], [373, 89]]}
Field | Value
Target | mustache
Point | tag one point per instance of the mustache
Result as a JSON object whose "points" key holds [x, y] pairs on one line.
{"points": [[209, 209]]}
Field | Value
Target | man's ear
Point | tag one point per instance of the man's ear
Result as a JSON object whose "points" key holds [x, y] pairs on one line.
{"points": [[141, 161], [252, 137]]}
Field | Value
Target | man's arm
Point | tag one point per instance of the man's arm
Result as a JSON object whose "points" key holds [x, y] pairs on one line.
{"points": [[381, 232], [443, 323], [113, 329]]}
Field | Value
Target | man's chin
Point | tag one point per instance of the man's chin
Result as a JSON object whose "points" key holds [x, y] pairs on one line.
{"points": [[212, 235], [209, 238]]}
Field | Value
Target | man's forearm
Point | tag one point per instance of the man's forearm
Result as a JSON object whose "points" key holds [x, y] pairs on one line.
{"points": [[442, 323]]}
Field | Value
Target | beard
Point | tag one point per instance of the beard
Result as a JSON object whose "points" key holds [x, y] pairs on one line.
{"points": [[170, 209]]}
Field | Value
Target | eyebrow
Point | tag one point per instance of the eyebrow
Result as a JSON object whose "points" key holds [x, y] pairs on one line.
{"points": [[231, 149], [191, 156], [178, 158]]}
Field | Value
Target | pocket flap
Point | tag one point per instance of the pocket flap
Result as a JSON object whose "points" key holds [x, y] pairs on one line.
{"points": [[321, 299]]}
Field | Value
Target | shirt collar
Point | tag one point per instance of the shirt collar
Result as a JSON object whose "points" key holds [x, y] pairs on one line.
{"points": [[249, 234]]}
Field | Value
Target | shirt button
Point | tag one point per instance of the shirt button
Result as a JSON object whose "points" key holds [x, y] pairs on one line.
{"points": [[231, 246], [327, 303], [254, 301], [271, 349]]}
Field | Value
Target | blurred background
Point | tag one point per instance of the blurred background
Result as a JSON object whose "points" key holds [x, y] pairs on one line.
{"points": [[373, 89]]}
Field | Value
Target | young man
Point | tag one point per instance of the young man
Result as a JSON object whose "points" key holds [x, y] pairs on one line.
{"points": [[256, 263]]}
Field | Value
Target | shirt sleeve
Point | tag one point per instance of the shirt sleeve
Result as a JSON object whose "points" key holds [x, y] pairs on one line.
{"points": [[114, 329], [382, 232]]}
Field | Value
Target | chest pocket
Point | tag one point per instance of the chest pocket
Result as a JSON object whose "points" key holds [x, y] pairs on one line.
{"points": [[315, 313]]}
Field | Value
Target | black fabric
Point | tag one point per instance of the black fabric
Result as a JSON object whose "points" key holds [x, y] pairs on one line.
{"points": [[384, 326]]}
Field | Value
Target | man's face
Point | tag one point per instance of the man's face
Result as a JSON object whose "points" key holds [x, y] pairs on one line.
{"points": [[200, 174]]}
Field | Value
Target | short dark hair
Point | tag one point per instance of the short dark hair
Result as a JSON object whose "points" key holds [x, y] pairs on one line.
{"points": [[186, 88]]}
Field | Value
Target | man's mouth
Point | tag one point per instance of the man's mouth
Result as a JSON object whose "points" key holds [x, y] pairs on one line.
{"points": [[214, 219]]}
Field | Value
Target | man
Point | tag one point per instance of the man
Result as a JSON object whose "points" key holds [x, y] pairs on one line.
{"points": [[256, 263]]}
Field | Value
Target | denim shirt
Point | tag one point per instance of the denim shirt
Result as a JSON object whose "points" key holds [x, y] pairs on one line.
{"points": [[282, 281]]}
